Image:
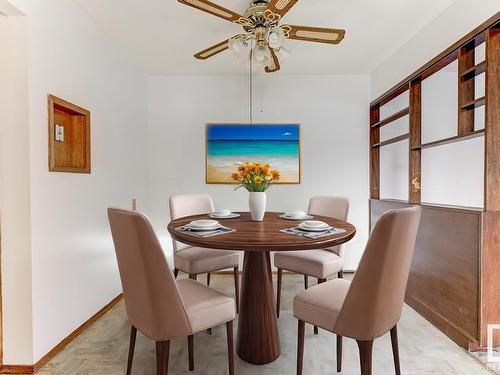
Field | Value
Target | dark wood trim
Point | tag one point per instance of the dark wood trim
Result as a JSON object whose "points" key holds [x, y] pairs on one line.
{"points": [[475, 37], [374, 153], [479, 102], [466, 59], [456, 138], [391, 140], [391, 118], [415, 138], [492, 122], [473, 71]]}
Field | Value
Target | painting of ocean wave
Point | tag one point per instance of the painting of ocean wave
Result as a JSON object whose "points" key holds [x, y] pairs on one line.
{"points": [[230, 145]]}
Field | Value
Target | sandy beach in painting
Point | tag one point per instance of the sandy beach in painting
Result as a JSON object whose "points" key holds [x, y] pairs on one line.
{"points": [[280, 152]]}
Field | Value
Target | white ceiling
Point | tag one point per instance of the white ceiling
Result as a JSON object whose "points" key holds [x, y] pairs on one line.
{"points": [[161, 36]]}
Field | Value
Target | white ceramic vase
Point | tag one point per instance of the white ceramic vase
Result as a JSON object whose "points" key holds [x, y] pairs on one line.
{"points": [[257, 205]]}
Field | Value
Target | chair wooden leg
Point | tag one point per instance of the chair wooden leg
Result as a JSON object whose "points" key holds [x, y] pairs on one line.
{"points": [[176, 272], [278, 292], [340, 274], [230, 347], [300, 346], [339, 353], [306, 282], [208, 279], [395, 349], [320, 281], [237, 288], [193, 276], [131, 347], [162, 354], [191, 352], [365, 356]]}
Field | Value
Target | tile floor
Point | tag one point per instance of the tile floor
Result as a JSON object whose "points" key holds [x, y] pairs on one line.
{"points": [[102, 349]]}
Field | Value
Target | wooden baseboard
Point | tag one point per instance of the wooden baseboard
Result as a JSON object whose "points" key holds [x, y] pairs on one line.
{"points": [[17, 369], [31, 369]]}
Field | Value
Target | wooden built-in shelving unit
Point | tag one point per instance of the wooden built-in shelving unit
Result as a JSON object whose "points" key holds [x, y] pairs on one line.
{"points": [[456, 266]]}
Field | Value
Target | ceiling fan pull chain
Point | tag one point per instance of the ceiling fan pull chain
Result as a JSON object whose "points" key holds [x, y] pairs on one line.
{"points": [[251, 84]]}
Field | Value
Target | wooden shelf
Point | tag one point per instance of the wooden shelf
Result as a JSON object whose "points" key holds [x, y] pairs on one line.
{"points": [[474, 103], [391, 140], [391, 118], [474, 71], [453, 139]]}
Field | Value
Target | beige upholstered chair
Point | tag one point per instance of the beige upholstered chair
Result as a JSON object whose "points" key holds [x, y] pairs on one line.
{"points": [[316, 263], [157, 305], [370, 305], [195, 260]]}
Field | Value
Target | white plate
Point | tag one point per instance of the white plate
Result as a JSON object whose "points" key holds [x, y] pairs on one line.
{"points": [[204, 224], [231, 216], [288, 217], [314, 226]]}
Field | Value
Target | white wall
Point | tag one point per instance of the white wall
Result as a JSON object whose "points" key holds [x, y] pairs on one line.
{"points": [[15, 191], [332, 110], [444, 167], [452, 24], [74, 267]]}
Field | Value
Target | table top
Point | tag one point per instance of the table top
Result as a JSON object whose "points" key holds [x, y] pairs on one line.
{"points": [[261, 235]]}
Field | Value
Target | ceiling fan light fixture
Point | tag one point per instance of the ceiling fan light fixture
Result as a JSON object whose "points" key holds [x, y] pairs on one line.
{"points": [[275, 37], [283, 53], [237, 46], [261, 54]]}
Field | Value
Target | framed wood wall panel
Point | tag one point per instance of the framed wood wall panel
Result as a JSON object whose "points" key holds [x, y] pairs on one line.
{"points": [[443, 285], [456, 267], [72, 153]]}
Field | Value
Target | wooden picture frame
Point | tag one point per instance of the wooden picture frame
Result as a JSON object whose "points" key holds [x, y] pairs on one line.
{"points": [[70, 152], [211, 181]]}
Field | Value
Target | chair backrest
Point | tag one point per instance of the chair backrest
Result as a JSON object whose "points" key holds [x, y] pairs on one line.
{"points": [[152, 300], [375, 298], [336, 207], [187, 205]]}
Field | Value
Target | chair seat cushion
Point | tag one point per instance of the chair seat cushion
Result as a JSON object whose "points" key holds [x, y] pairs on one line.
{"points": [[194, 260], [205, 307], [317, 263], [320, 305]]}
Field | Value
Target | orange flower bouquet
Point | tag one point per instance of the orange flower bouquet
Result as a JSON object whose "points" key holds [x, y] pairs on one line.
{"points": [[255, 177]]}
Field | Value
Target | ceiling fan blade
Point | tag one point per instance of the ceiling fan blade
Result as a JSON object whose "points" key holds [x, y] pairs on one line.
{"points": [[216, 10], [314, 34], [214, 50], [275, 64], [277, 9]]}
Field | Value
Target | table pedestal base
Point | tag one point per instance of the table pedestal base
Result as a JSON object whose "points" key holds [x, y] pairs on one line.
{"points": [[258, 338]]}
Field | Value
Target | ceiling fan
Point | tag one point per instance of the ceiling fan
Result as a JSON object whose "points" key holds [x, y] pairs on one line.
{"points": [[261, 25]]}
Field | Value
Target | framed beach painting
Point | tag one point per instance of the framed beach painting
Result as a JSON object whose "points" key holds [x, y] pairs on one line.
{"points": [[230, 145]]}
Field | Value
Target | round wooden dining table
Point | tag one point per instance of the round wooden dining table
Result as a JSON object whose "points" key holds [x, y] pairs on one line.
{"points": [[258, 337]]}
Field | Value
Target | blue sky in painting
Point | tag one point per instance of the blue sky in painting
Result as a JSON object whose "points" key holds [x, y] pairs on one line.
{"points": [[289, 132]]}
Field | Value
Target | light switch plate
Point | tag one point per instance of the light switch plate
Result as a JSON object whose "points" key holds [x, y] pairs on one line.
{"points": [[59, 133]]}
